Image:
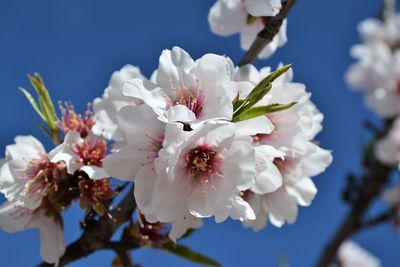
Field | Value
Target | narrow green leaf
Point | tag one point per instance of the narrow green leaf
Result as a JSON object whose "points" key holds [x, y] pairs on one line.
{"points": [[187, 253], [44, 130], [188, 233], [32, 102], [257, 94], [264, 83], [262, 110]]}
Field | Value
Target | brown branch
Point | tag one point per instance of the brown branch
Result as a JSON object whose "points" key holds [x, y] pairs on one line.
{"points": [[98, 234], [375, 175], [384, 217], [265, 36]]}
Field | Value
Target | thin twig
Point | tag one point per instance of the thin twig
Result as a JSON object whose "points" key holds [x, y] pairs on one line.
{"points": [[384, 217], [389, 9], [265, 36]]}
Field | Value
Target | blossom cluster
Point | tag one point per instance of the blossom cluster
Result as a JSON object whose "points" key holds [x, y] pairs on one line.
{"points": [[192, 154], [377, 70], [38, 186], [248, 17]]}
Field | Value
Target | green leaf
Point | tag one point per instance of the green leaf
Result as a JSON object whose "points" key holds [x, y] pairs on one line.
{"points": [[264, 83], [44, 106], [32, 102], [262, 110], [188, 233], [187, 253], [241, 106], [44, 129]]}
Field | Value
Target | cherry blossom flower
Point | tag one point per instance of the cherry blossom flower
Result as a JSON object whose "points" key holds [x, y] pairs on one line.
{"points": [[28, 172], [350, 254], [85, 154], [227, 17], [186, 90], [108, 105], [205, 175], [26, 177]]}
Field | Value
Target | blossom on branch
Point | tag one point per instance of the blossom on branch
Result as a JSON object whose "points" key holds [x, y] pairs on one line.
{"points": [[377, 71], [227, 17], [198, 143], [28, 179]]}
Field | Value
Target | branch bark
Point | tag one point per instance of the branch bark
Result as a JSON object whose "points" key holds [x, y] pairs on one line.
{"points": [[98, 234], [265, 36], [374, 176]]}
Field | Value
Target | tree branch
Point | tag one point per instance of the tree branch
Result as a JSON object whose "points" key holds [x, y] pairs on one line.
{"points": [[265, 36], [374, 176], [381, 218], [98, 234]]}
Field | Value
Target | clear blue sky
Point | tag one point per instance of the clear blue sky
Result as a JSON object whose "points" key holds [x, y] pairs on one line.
{"points": [[76, 45]]}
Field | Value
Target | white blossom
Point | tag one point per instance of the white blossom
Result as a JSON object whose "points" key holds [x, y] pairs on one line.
{"points": [[227, 17], [350, 254], [82, 154], [26, 175], [299, 158], [108, 105], [186, 90], [14, 217], [377, 70]]}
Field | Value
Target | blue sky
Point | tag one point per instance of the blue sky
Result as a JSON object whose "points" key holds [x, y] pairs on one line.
{"points": [[76, 45]]}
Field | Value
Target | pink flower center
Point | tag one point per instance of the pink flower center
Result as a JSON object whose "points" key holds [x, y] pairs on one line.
{"points": [[96, 194], [92, 154], [201, 162], [44, 175], [192, 98], [70, 121]]}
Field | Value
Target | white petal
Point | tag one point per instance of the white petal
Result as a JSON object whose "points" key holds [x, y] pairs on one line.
{"points": [[171, 66], [144, 185], [258, 125], [241, 210], [181, 225], [10, 185], [25, 147], [146, 91], [52, 245], [178, 113], [281, 206], [125, 163], [227, 17], [263, 8], [14, 217], [317, 162], [94, 172], [64, 152], [239, 165], [304, 191]]}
